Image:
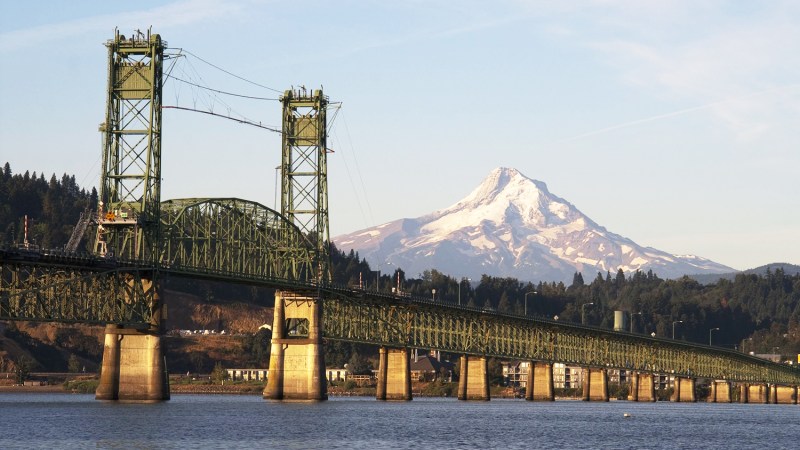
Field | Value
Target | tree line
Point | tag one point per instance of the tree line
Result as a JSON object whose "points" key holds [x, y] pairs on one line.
{"points": [[52, 207]]}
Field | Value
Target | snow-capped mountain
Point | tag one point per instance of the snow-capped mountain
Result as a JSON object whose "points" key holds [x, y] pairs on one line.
{"points": [[512, 226]]}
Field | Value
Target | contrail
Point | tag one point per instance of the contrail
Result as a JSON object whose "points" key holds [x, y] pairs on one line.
{"points": [[672, 114]]}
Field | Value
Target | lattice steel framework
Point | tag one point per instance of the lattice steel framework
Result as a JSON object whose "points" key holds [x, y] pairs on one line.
{"points": [[395, 322], [233, 236], [130, 183], [304, 170], [67, 288]]}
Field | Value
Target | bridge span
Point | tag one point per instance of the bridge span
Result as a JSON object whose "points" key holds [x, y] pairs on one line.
{"points": [[137, 239]]}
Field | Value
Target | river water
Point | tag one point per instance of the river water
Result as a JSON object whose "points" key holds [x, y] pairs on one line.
{"points": [[226, 421]]}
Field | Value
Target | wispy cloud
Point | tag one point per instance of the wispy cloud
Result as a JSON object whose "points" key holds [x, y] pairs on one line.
{"points": [[722, 106], [174, 14], [698, 53]]}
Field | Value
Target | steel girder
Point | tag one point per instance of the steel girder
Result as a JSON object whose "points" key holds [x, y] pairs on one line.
{"points": [[233, 237], [65, 288], [417, 323]]}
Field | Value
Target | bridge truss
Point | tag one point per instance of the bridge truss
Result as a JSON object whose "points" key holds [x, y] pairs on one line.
{"points": [[421, 323]]}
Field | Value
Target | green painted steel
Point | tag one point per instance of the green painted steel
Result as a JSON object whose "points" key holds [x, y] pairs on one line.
{"points": [[128, 220], [64, 287], [233, 236], [304, 170], [420, 323]]}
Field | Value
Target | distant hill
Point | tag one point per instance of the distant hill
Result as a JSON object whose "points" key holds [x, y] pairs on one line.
{"points": [[788, 269]]}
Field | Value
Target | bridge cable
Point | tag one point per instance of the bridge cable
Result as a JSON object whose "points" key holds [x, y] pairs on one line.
{"points": [[218, 91], [243, 121], [212, 97], [225, 71]]}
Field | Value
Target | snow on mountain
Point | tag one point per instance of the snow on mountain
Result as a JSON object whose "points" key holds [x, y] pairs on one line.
{"points": [[512, 226]]}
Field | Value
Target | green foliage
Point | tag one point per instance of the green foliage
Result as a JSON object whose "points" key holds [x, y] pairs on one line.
{"points": [[258, 346], [440, 388], [22, 368], [82, 386], [53, 208], [359, 365], [73, 364], [219, 374]]}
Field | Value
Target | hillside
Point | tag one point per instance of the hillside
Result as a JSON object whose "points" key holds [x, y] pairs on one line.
{"points": [[788, 269]]}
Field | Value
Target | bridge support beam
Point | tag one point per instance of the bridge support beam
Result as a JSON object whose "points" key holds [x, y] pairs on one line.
{"points": [[755, 393], [394, 374], [296, 364], [473, 383], [643, 387], [540, 382], [784, 395], [595, 385], [133, 367], [683, 390], [720, 392]]}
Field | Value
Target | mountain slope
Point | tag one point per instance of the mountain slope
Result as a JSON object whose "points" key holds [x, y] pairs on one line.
{"points": [[513, 226]]}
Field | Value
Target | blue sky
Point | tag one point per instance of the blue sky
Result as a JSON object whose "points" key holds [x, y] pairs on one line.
{"points": [[673, 123]]}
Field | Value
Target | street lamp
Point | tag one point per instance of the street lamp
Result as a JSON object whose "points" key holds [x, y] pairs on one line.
{"points": [[634, 314], [433, 294], [673, 327], [526, 301], [459, 288], [709, 334], [583, 312], [745, 341]]}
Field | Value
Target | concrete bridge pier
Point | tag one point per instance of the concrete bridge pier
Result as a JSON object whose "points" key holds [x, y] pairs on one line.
{"points": [[643, 387], [394, 374], [633, 392], [133, 367], [784, 395], [595, 384], [720, 392], [297, 363], [756, 393], [744, 390], [683, 390], [473, 382], [540, 382]]}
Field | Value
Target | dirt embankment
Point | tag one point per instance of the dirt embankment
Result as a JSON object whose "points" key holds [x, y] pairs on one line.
{"points": [[51, 345], [187, 312]]}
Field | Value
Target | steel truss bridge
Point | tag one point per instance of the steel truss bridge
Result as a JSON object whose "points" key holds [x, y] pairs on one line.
{"points": [[138, 239]]}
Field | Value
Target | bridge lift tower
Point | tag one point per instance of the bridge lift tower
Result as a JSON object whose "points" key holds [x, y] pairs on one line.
{"points": [[128, 221], [304, 171], [297, 363]]}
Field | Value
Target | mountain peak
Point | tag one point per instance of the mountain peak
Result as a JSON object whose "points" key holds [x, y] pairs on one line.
{"points": [[511, 225], [502, 178]]}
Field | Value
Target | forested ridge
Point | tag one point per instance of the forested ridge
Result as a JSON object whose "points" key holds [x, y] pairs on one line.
{"points": [[758, 311], [53, 207]]}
